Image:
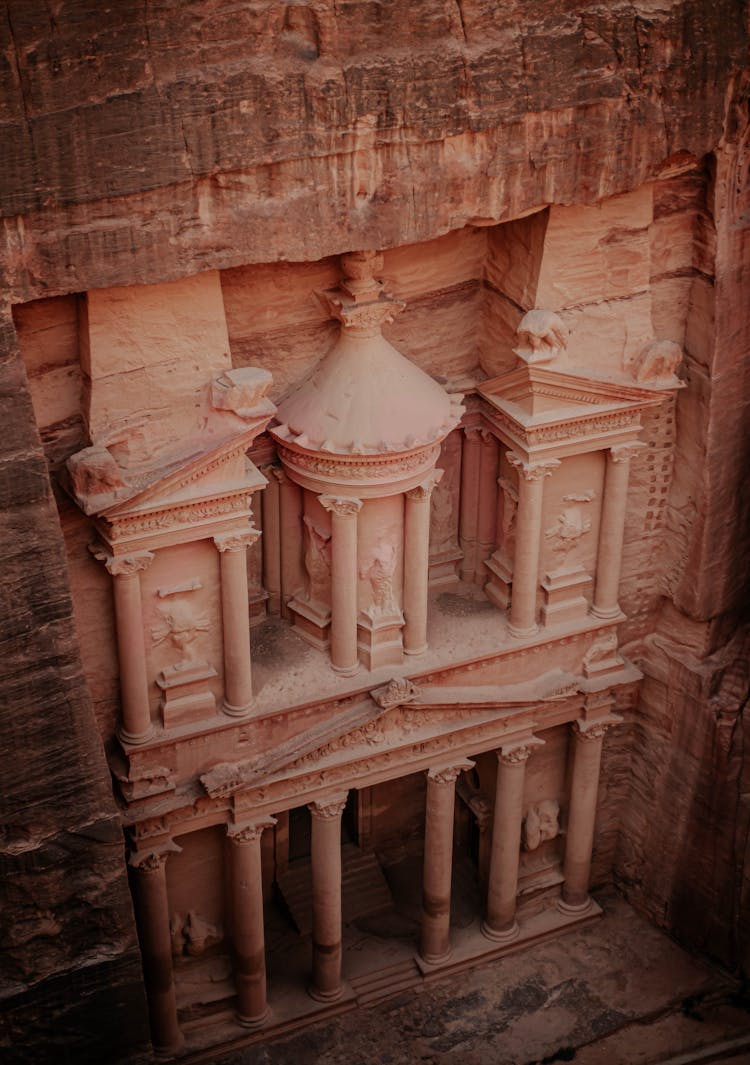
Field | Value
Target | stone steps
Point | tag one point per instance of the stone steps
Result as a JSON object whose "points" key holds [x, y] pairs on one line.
{"points": [[384, 983], [364, 889]]}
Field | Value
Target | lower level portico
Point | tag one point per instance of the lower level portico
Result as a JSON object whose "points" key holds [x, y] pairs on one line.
{"points": [[244, 903]]}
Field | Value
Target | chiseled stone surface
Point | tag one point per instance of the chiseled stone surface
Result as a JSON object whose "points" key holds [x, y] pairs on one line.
{"points": [[174, 139], [165, 141]]}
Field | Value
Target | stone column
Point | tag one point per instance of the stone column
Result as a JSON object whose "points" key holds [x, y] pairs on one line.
{"points": [[500, 922], [434, 941], [270, 507], [528, 543], [612, 530], [238, 681], [579, 838], [136, 725], [417, 564], [149, 882], [343, 582], [487, 500], [469, 502], [290, 535], [248, 935], [325, 857]]}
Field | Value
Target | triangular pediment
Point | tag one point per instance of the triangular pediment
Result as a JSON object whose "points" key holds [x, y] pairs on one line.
{"points": [[366, 728], [219, 468], [533, 395]]}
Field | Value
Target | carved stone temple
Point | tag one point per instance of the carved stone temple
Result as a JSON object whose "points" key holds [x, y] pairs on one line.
{"points": [[374, 489]]}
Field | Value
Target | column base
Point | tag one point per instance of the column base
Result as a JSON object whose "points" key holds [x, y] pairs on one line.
{"points": [[520, 634], [434, 959], [170, 1051], [253, 1022], [134, 738], [502, 935], [346, 671], [325, 996], [606, 613], [237, 711], [416, 650], [575, 909]]}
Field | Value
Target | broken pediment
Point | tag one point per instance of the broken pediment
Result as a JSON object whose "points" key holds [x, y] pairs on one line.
{"points": [[133, 487], [536, 405]]}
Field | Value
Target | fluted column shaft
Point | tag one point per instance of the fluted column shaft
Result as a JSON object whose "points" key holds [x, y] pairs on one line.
{"points": [[500, 922], [434, 943], [136, 725], [612, 530], [149, 882], [343, 582], [248, 932], [417, 564], [325, 857], [584, 790], [528, 542], [238, 679]]}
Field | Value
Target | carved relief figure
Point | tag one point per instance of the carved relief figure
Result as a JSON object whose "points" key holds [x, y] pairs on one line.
{"points": [[602, 649], [317, 562], [379, 570], [542, 822], [509, 496], [180, 626], [658, 361], [542, 335], [193, 935], [443, 525], [568, 529]]}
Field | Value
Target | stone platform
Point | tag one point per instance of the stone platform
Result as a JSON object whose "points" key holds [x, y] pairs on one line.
{"points": [[614, 991]]}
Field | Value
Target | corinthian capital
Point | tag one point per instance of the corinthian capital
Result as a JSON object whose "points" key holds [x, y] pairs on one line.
{"points": [[532, 471], [130, 565], [423, 491], [625, 452], [341, 506], [449, 773], [249, 831], [328, 809], [236, 541]]}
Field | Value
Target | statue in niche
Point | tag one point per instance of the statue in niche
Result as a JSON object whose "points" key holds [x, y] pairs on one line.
{"points": [[568, 529], [542, 822], [379, 571], [317, 562], [508, 518], [181, 627]]}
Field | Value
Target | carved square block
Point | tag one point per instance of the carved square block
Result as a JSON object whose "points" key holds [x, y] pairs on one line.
{"points": [[565, 596], [312, 621], [186, 696], [379, 639], [499, 583]]}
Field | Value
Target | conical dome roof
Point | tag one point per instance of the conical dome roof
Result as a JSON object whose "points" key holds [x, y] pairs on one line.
{"points": [[365, 397]]}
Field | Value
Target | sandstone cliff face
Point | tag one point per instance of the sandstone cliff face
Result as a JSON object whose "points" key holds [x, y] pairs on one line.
{"points": [[168, 140], [70, 970]]}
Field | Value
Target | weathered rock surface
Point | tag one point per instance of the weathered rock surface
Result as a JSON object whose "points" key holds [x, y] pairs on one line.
{"points": [[70, 970], [168, 140]]}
